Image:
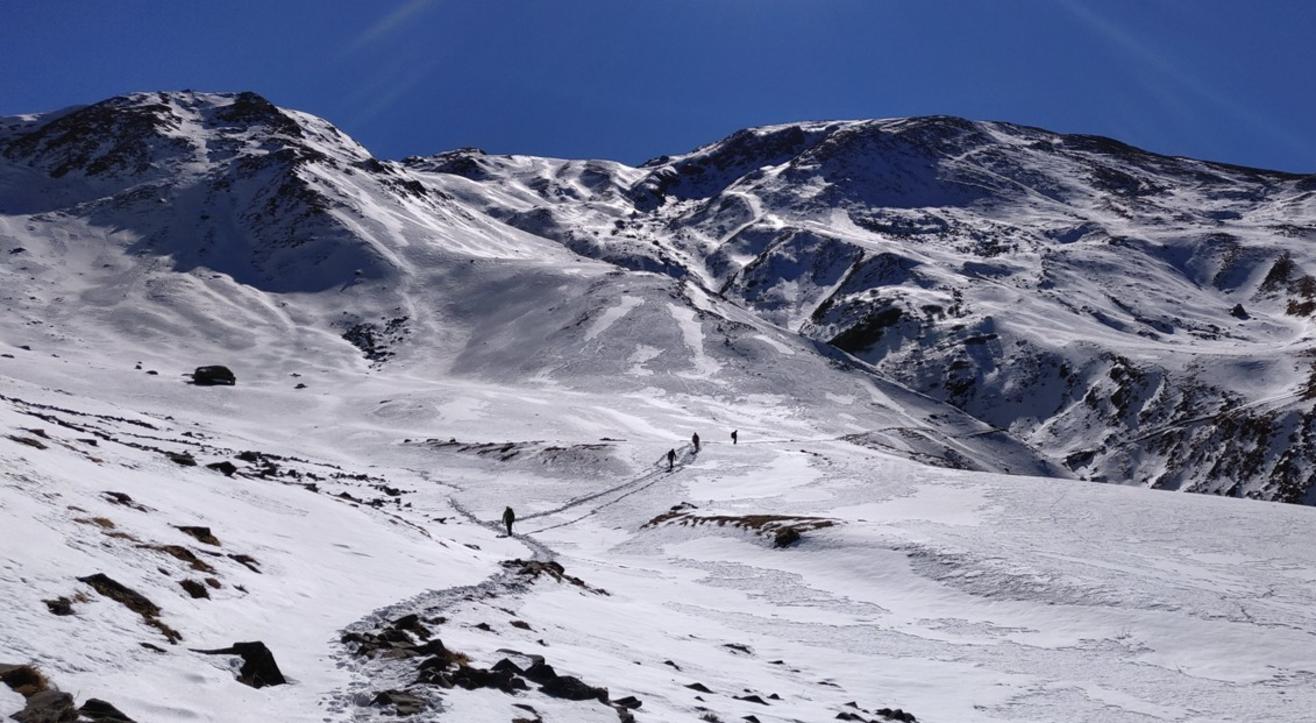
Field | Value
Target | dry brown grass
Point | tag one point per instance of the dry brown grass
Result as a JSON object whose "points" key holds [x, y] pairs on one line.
{"points": [[26, 680]]}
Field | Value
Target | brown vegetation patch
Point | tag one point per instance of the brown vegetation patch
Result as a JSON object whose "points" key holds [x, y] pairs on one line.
{"points": [[184, 554], [133, 600], [25, 680]]}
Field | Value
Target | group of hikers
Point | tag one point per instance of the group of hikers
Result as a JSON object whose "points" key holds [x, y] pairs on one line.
{"points": [[694, 442], [509, 516]]}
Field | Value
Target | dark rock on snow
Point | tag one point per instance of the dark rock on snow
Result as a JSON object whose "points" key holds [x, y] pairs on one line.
{"points": [[133, 600], [181, 458], [403, 703], [214, 376], [195, 588], [48, 706], [98, 711], [202, 534], [258, 667], [225, 467]]}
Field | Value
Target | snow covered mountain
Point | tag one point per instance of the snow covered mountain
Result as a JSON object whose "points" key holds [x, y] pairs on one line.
{"points": [[1139, 318], [922, 329]]}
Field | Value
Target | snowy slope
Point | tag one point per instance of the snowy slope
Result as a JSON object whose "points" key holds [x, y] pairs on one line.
{"points": [[420, 344], [1098, 301]]}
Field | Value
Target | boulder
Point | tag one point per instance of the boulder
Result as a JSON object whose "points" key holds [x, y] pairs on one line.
{"points": [[258, 667], [48, 706], [98, 711], [181, 458], [785, 537], [573, 688], [472, 678], [214, 376], [224, 467], [201, 534], [403, 703], [195, 588]]}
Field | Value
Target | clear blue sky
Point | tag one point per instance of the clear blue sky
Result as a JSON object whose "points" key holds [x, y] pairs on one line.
{"points": [[1227, 80]]}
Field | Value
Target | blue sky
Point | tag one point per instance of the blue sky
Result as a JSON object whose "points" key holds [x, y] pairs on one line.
{"points": [[1231, 81]]}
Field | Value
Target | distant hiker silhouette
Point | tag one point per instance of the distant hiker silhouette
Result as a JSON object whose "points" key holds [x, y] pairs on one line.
{"points": [[671, 459], [735, 435], [508, 518], [694, 439]]}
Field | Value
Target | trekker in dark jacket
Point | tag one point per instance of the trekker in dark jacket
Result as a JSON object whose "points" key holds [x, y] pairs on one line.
{"points": [[735, 436], [671, 459], [694, 439], [508, 518]]}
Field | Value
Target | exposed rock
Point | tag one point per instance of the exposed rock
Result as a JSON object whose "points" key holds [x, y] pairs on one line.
{"points": [[181, 458], [96, 710], [258, 667], [533, 569], [119, 498], [403, 703], [508, 666], [202, 534], [195, 588], [246, 561], [573, 688], [133, 600], [539, 671], [785, 537], [472, 678], [59, 606], [48, 706], [224, 467], [214, 376], [182, 553], [29, 441]]}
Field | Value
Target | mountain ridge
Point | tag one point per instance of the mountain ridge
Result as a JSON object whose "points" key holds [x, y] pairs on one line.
{"points": [[791, 432], [1030, 279]]}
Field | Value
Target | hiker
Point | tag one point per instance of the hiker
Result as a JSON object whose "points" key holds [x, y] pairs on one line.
{"points": [[735, 435], [671, 459], [694, 439], [508, 518]]}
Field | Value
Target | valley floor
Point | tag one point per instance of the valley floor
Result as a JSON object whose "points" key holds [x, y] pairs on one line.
{"points": [[945, 594]]}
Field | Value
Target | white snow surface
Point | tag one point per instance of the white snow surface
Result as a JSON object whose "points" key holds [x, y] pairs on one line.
{"points": [[961, 575]]}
